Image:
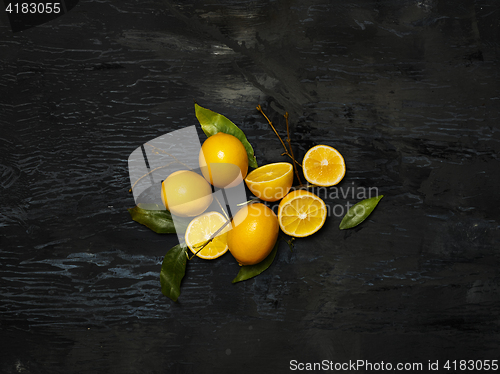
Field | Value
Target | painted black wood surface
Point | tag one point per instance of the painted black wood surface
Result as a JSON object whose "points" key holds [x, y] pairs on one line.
{"points": [[406, 90]]}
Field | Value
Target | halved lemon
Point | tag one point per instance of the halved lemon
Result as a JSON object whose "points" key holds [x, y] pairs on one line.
{"points": [[301, 213], [271, 182], [201, 229], [323, 166]]}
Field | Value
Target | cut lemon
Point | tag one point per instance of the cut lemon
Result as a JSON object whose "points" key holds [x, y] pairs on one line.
{"points": [[201, 229], [271, 182], [323, 166], [301, 213]]}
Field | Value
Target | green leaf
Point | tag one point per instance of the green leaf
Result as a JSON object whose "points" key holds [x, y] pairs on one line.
{"points": [[359, 212], [160, 221], [250, 271], [212, 123], [173, 269]]}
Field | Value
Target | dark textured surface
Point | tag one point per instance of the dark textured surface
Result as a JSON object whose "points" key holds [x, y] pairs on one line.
{"points": [[406, 90]]}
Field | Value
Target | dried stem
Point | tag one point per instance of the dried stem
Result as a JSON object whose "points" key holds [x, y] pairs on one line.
{"points": [[290, 146], [259, 108], [287, 152]]}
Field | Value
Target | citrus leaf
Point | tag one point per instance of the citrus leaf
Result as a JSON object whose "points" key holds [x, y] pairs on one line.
{"points": [[160, 221], [359, 212], [250, 271], [173, 269], [212, 123]]}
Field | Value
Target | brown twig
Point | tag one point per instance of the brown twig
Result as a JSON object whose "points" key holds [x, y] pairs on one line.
{"points": [[259, 108], [290, 146]]}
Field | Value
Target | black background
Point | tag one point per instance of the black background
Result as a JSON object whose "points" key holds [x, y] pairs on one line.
{"points": [[406, 90]]}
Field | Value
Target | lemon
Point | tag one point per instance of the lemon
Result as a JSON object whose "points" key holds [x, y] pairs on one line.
{"points": [[301, 213], [201, 229], [253, 234], [271, 182], [186, 194], [223, 160], [323, 166]]}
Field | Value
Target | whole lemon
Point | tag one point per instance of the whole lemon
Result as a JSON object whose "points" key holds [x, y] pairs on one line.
{"points": [[253, 234], [185, 193], [222, 158]]}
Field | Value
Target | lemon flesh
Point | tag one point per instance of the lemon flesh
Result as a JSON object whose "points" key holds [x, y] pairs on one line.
{"points": [[271, 182], [201, 229], [301, 213], [323, 166]]}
